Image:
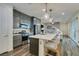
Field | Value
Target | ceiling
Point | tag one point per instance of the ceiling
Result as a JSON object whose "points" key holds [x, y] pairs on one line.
{"points": [[35, 9]]}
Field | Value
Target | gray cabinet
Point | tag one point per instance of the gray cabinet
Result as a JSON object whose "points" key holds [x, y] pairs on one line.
{"points": [[20, 18], [17, 40], [34, 46]]}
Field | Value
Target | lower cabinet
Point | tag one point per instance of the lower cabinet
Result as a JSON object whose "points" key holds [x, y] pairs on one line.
{"points": [[34, 46], [17, 40]]}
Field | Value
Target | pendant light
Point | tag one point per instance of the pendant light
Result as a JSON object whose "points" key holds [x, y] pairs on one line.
{"points": [[51, 17], [48, 16]]}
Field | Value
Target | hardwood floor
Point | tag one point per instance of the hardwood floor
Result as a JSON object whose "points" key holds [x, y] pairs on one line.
{"points": [[20, 51], [68, 48]]}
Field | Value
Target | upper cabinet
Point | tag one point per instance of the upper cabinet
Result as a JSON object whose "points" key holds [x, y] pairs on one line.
{"points": [[24, 22], [16, 19], [21, 20]]}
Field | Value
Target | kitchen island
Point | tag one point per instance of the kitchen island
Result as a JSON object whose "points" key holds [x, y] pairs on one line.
{"points": [[37, 43]]}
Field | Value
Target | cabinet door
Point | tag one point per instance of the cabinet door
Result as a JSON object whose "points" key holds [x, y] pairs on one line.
{"points": [[17, 40], [34, 46], [16, 21]]}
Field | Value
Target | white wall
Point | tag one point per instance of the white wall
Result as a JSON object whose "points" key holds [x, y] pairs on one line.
{"points": [[64, 28], [6, 28]]}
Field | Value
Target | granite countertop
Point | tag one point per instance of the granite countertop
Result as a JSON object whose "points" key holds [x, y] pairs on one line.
{"points": [[16, 34], [44, 37]]}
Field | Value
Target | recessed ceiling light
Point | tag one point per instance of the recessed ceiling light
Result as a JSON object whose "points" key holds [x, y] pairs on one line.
{"points": [[62, 13]]}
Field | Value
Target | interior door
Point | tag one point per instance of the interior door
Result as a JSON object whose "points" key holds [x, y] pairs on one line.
{"points": [[3, 30], [3, 44]]}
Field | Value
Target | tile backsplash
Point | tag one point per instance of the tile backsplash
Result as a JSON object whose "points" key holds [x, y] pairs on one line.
{"points": [[19, 30]]}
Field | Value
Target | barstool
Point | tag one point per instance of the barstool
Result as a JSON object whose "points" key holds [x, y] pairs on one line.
{"points": [[52, 48]]}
